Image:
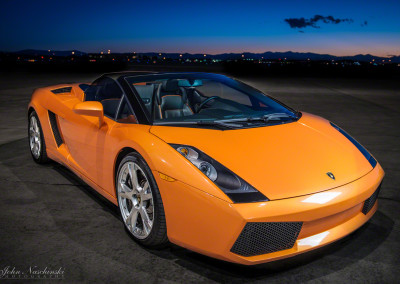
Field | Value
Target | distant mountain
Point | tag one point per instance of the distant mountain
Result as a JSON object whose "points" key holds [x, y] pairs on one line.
{"points": [[288, 55], [395, 58], [51, 52]]}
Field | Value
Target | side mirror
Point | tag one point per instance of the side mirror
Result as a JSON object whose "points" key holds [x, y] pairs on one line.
{"points": [[90, 108]]}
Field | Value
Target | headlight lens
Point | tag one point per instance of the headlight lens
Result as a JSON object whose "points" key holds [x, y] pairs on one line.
{"points": [[363, 151], [231, 184]]}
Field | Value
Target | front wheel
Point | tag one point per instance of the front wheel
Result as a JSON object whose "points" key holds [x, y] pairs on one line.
{"points": [[140, 202], [37, 144]]}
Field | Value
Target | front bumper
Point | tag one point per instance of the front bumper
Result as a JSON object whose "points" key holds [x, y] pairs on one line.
{"points": [[211, 226]]}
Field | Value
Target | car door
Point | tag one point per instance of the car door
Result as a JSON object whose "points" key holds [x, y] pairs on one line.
{"points": [[87, 142]]}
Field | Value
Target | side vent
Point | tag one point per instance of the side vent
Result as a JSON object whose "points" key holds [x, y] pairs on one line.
{"points": [[62, 90], [54, 127]]}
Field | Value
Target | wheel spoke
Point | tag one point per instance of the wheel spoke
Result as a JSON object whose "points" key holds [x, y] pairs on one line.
{"points": [[146, 196], [35, 126], [125, 195], [126, 191], [133, 174], [147, 223], [132, 219], [146, 186]]}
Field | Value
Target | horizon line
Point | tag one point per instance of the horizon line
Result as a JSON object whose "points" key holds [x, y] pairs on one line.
{"points": [[212, 54]]}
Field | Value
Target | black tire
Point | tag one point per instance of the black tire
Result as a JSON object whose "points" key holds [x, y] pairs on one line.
{"points": [[42, 158], [157, 238]]}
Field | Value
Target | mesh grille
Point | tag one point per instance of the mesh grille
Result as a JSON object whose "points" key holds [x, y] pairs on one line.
{"points": [[261, 238], [54, 127], [370, 202], [62, 90]]}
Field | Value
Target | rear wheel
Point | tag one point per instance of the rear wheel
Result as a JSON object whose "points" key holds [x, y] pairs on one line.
{"points": [[37, 144], [140, 202]]}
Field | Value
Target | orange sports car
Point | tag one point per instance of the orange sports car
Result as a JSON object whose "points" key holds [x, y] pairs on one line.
{"points": [[208, 163]]}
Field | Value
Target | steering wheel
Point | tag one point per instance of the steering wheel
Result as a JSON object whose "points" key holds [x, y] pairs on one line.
{"points": [[205, 102]]}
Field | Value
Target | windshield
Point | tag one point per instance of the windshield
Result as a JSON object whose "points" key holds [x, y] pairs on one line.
{"points": [[200, 98]]}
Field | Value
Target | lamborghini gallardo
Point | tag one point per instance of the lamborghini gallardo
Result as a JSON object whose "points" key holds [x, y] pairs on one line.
{"points": [[207, 162]]}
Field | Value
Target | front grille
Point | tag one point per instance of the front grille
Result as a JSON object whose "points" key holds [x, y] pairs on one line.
{"points": [[261, 238], [54, 127], [370, 202]]}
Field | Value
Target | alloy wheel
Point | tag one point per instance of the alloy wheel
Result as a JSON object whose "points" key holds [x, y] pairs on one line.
{"points": [[135, 200], [34, 137]]}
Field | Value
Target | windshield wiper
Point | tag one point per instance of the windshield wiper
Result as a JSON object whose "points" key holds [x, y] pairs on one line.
{"points": [[272, 116], [264, 118], [230, 123], [217, 123]]}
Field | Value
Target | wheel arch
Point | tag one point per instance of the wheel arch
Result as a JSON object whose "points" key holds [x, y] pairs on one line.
{"points": [[121, 154], [30, 110]]}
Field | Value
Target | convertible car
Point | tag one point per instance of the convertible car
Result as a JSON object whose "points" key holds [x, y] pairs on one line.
{"points": [[208, 163]]}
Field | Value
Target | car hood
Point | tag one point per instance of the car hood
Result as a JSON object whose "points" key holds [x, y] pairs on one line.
{"points": [[281, 161]]}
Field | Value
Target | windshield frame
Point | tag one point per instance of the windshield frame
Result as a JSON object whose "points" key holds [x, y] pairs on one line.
{"points": [[128, 80]]}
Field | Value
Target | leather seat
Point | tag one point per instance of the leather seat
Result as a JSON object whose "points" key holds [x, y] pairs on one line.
{"points": [[110, 107], [171, 101], [146, 93]]}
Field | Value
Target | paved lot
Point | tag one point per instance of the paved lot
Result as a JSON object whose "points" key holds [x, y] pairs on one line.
{"points": [[50, 218]]}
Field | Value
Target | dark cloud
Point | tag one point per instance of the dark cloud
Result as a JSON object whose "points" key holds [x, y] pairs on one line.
{"points": [[312, 22]]}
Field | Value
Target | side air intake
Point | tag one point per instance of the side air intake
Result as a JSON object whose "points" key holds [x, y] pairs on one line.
{"points": [[62, 90], [54, 127]]}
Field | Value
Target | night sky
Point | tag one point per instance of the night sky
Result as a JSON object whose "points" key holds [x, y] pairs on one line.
{"points": [[209, 26]]}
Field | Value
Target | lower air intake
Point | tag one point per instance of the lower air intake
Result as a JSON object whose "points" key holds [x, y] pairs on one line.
{"points": [[370, 202], [262, 238]]}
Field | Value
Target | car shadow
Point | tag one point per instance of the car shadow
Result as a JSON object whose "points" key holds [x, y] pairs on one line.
{"points": [[105, 204]]}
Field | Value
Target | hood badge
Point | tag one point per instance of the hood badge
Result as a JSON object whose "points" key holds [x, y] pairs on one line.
{"points": [[329, 174]]}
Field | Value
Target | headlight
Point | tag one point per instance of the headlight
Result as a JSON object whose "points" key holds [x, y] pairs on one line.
{"points": [[231, 184], [363, 151]]}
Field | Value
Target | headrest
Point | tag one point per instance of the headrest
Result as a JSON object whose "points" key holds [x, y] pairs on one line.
{"points": [[145, 91], [184, 83], [190, 82], [197, 83], [170, 85]]}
